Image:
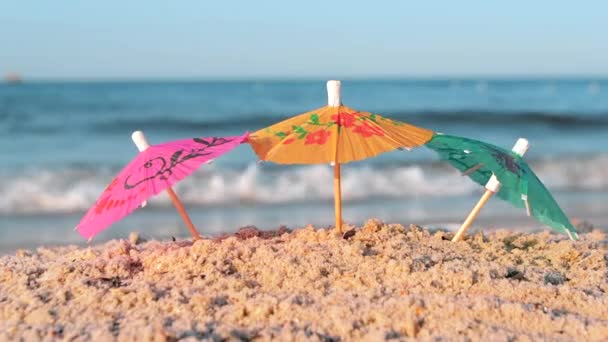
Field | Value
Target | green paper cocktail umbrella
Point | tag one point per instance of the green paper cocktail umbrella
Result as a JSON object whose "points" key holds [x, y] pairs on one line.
{"points": [[505, 173]]}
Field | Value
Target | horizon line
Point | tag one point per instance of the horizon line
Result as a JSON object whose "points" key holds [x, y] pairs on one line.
{"points": [[277, 78]]}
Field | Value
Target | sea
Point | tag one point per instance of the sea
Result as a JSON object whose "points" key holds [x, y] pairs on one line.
{"points": [[62, 142]]}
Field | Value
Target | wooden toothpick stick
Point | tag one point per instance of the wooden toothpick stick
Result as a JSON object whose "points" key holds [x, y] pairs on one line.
{"points": [[142, 144], [492, 187], [333, 100]]}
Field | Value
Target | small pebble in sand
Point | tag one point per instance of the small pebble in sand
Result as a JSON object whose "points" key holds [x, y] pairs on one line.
{"points": [[554, 278], [514, 273], [134, 238], [21, 253]]}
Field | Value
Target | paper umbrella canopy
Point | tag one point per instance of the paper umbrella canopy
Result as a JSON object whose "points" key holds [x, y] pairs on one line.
{"points": [[334, 134], [520, 185], [153, 170]]}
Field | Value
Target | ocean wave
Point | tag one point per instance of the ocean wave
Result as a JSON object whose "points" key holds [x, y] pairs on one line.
{"points": [[425, 118], [75, 189], [113, 124]]}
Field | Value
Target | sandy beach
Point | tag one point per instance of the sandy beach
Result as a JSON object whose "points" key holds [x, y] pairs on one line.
{"points": [[379, 282]]}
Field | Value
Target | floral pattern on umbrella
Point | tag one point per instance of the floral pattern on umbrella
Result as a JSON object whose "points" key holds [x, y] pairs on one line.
{"points": [[319, 131]]}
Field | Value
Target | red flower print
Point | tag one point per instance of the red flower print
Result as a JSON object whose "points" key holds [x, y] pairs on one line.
{"points": [[111, 185], [344, 119], [318, 137], [99, 207], [367, 130]]}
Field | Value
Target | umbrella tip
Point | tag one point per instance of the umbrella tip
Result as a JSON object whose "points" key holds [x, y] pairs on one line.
{"points": [[521, 146], [140, 140], [136, 134], [333, 93]]}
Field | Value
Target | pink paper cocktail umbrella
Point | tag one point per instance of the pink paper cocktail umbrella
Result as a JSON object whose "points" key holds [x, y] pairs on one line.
{"points": [[155, 169]]}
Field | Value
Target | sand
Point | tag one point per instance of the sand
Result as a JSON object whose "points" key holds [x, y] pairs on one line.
{"points": [[382, 282]]}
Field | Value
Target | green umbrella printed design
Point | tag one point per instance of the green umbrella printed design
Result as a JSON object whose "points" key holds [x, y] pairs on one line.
{"points": [[520, 185]]}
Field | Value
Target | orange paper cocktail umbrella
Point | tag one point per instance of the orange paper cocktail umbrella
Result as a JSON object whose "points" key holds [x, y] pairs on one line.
{"points": [[334, 134]]}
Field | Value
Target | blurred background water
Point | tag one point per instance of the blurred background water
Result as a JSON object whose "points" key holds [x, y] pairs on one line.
{"points": [[62, 142]]}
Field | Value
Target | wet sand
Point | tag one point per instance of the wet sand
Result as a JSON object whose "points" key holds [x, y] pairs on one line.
{"points": [[380, 282]]}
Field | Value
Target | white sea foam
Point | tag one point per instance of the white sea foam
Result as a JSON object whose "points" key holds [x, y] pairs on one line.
{"points": [[75, 189]]}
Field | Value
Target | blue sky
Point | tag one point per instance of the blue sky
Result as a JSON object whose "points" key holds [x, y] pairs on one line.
{"points": [[249, 39]]}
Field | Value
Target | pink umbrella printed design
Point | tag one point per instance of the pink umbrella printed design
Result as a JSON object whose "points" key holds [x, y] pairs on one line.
{"points": [[155, 169]]}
